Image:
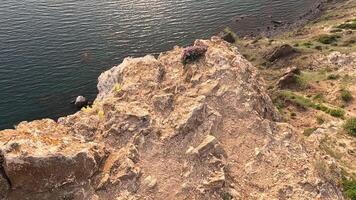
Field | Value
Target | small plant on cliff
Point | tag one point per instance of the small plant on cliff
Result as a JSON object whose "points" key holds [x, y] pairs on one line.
{"points": [[192, 53], [327, 39], [333, 77], [350, 126], [304, 102], [349, 25], [117, 88], [346, 95], [349, 187]]}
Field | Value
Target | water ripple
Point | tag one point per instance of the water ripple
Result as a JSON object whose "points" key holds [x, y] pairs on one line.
{"points": [[51, 51]]}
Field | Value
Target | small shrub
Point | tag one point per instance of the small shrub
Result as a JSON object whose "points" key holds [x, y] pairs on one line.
{"points": [[338, 112], [350, 126], [307, 44], [349, 188], [101, 114], [304, 102], [327, 39], [319, 97], [346, 95], [192, 53], [333, 77], [336, 30], [117, 88], [351, 25]]}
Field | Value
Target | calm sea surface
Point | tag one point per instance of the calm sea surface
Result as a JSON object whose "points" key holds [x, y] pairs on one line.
{"points": [[54, 50]]}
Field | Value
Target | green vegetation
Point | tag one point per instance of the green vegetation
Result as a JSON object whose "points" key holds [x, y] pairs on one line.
{"points": [[349, 188], [307, 132], [350, 126], [311, 76], [228, 30], [304, 102], [307, 44], [333, 77], [319, 97], [346, 95], [327, 39], [336, 30], [349, 25]]}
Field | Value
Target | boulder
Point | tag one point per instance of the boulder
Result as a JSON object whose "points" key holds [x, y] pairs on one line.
{"points": [[80, 102], [279, 52], [289, 78]]}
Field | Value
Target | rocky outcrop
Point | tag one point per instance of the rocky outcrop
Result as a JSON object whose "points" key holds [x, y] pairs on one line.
{"points": [[289, 79], [279, 52], [41, 160], [159, 129]]}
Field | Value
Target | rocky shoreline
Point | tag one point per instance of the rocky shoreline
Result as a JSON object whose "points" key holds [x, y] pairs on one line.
{"points": [[279, 26]]}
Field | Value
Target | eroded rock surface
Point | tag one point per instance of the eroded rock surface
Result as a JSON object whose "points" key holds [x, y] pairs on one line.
{"points": [[161, 130]]}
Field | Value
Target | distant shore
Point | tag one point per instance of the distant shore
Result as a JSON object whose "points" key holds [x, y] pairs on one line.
{"points": [[277, 26]]}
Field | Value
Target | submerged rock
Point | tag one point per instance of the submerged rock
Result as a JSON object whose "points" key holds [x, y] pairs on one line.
{"points": [[81, 102]]}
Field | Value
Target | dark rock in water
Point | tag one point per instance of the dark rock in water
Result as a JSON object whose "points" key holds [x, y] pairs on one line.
{"points": [[280, 52], [289, 78], [228, 37], [81, 102], [192, 53]]}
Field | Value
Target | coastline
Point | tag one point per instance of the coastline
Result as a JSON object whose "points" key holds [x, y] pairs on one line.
{"points": [[189, 121], [279, 26]]}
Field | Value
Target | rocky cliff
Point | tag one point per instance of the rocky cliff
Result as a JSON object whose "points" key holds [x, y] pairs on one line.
{"points": [[163, 130]]}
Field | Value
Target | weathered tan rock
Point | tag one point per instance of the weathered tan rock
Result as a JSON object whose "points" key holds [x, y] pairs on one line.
{"points": [[41, 156], [148, 113], [289, 78]]}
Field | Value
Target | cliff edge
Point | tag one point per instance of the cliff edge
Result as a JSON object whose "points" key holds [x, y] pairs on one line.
{"points": [[163, 130]]}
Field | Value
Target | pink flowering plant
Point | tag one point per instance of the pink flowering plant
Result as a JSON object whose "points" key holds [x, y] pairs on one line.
{"points": [[192, 53]]}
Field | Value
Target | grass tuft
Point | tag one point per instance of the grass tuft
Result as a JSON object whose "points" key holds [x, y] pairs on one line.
{"points": [[304, 102], [333, 77], [349, 188], [327, 39], [350, 126], [346, 95], [349, 25]]}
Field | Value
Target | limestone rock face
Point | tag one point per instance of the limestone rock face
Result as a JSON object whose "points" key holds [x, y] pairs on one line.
{"points": [[161, 130], [41, 156]]}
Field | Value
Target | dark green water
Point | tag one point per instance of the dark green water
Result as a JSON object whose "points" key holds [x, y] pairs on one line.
{"points": [[54, 50]]}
